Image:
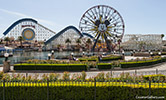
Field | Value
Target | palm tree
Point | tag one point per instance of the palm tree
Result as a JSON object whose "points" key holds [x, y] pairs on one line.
{"points": [[68, 41], [119, 41], [1, 41], [89, 42], [7, 39], [78, 41], [162, 35], [99, 41], [20, 38], [111, 45]]}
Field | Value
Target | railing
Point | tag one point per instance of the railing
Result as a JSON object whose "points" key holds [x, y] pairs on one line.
{"points": [[81, 90]]}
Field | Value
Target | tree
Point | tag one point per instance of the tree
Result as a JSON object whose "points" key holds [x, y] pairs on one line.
{"points": [[68, 41], [89, 42], [119, 41], [1, 41], [20, 38], [7, 39], [78, 41], [99, 41], [162, 36]]}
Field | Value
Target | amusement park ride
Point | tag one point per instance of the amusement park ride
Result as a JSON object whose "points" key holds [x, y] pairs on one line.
{"points": [[105, 23], [100, 22]]}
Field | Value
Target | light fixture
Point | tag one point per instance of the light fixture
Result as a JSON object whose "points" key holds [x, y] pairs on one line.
{"points": [[52, 51], [6, 55], [49, 55]]}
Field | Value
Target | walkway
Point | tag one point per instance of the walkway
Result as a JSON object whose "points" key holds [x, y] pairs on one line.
{"points": [[158, 68]]}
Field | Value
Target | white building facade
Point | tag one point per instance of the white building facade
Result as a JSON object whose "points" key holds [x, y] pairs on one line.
{"points": [[142, 41]]}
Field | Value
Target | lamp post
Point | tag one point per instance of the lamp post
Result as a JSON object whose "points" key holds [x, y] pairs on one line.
{"points": [[159, 53], [6, 55], [6, 63], [114, 52], [49, 56], [52, 54], [123, 55], [151, 53], [83, 54], [131, 53], [72, 54]]}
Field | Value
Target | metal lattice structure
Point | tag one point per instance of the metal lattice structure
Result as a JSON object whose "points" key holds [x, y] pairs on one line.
{"points": [[30, 29], [103, 22], [69, 32]]}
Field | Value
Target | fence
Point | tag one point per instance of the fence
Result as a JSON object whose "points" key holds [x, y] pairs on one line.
{"points": [[96, 89]]}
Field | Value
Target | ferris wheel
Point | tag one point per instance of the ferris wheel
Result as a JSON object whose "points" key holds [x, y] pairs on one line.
{"points": [[104, 23]]}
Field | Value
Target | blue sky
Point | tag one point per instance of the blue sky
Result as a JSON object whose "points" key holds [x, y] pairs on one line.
{"points": [[140, 16]]}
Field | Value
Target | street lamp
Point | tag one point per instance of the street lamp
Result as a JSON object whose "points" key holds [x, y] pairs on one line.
{"points": [[6, 55], [72, 54], [114, 51], [49, 56], [83, 53], [131, 53], [151, 53], [123, 55], [52, 52], [159, 53]]}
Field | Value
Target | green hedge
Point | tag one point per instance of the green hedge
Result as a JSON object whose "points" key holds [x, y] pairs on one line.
{"points": [[78, 93], [111, 58], [56, 67], [103, 58], [104, 66], [141, 63], [88, 59], [155, 77]]}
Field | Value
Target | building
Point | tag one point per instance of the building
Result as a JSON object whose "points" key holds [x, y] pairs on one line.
{"points": [[142, 42], [30, 29]]}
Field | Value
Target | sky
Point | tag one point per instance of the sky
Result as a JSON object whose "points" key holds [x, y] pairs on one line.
{"points": [[140, 16]]}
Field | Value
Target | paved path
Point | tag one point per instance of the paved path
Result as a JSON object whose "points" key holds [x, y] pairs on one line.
{"points": [[161, 68]]}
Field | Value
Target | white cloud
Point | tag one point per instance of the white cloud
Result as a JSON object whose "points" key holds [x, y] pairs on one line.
{"points": [[14, 13], [24, 15]]}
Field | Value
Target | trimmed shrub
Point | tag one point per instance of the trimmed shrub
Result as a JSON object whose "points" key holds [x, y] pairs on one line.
{"points": [[111, 58], [104, 66], [56, 67], [141, 63], [88, 59], [155, 78], [78, 92]]}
